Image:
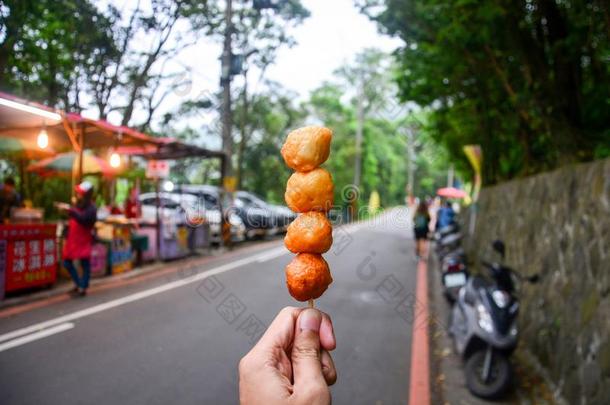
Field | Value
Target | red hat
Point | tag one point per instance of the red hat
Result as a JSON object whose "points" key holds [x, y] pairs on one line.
{"points": [[83, 188]]}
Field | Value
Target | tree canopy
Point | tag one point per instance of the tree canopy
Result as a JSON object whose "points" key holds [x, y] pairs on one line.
{"points": [[527, 80]]}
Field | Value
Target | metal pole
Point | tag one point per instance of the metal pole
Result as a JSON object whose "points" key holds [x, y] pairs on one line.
{"points": [[411, 162], [81, 152], [225, 81], [359, 134], [158, 218], [450, 175], [353, 203]]}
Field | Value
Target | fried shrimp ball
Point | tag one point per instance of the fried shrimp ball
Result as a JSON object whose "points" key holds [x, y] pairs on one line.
{"points": [[307, 276], [307, 148], [311, 232], [310, 191]]}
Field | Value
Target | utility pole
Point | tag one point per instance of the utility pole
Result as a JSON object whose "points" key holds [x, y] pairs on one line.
{"points": [[225, 81], [353, 197], [359, 132], [450, 175], [411, 166]]}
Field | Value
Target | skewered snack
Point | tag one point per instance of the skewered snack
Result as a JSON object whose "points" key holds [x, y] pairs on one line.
{"points": [[307, 276], [310, 191], [307, 148], [311, 232]]}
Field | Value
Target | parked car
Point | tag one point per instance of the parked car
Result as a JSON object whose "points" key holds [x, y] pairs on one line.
{"points": [[281, 216], [257, 216], [191, 209], [285, 216]]}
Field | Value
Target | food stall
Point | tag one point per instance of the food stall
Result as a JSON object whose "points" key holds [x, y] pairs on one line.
{"points": [[29, 253], [69, 145]]}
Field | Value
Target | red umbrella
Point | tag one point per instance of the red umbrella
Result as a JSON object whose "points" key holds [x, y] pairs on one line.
{"points": [[451, 192]]}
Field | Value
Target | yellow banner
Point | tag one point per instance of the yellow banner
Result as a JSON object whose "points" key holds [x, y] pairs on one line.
{"points": [[475, 157]]}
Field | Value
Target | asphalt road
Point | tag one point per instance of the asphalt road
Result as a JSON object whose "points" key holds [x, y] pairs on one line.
{"points": [[177, 338]]}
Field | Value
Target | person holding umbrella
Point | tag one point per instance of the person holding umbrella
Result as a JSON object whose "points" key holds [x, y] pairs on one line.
{"points": [[79, 240]]}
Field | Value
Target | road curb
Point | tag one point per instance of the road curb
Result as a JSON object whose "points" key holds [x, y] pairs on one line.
{"points": [[419, 386]]}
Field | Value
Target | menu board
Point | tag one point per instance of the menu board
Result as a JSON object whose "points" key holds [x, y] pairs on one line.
{"points": [[28, 255]]}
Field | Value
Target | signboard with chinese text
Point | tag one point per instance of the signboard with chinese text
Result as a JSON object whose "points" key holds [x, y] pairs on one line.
{"points": [[157, 169], [30, 257]]}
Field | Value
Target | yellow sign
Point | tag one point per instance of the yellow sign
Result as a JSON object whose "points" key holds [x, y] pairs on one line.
{"points": [[230, 184]]}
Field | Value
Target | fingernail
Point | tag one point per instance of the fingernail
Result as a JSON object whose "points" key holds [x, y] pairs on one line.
{"points": [[310, 319]]}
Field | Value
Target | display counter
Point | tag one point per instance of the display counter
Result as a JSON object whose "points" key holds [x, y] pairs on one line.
{"points": [[28, 256], [116, 236]]}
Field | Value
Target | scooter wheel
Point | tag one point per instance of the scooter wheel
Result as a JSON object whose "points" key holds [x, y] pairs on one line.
{"points": [[499, 379]]}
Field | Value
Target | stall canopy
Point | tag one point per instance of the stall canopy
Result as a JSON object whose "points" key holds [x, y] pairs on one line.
{"points": [[169, 148], [66, 131]]}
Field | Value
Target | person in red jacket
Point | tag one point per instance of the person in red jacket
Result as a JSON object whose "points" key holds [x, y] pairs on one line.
{"points": [[79, 241], [133, 209]]}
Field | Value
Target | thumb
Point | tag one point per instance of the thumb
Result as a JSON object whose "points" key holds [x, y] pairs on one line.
{"points": [[306, 364]]}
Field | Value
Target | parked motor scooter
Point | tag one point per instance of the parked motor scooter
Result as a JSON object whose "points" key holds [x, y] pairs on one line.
{"points": [[484, 329], [446, 230], [448, 244], [454, 274]]}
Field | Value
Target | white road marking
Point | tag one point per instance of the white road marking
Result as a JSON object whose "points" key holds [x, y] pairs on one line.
{"points": [[130, 298], [36, 335], [272, 254]]}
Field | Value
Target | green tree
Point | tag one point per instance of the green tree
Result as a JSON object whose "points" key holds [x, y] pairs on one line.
{"points": [[527, 80], [46, 46]]}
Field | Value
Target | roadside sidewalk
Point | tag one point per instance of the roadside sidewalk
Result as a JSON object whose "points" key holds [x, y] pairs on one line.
{"points": [[447, 373]]}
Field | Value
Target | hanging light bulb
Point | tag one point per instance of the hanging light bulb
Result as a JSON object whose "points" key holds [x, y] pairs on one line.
{"points": [[43, 139], [115, 160]]}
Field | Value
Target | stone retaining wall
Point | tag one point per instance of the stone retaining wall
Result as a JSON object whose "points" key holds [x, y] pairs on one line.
{"points": [[558, 224]]}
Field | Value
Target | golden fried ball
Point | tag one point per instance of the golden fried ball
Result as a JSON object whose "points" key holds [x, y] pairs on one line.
{"points": [[311, 232], [310, 191], [307, 148], [307, 276]]}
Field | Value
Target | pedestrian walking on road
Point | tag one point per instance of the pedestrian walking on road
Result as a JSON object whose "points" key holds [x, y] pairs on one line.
{"points": [[421, 227], [79, 241]]}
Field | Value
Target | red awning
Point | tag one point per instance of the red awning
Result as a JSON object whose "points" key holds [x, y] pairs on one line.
{"points": [[24, 119]]}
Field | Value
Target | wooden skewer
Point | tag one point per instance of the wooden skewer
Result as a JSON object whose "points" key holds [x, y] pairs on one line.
{"points": [[310, 303]]}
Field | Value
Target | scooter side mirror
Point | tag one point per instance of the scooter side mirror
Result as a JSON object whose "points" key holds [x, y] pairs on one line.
{"points": [[499, 247]]}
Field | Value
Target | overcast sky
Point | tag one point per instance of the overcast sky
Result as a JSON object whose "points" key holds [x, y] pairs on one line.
{"points": [[331, 36]]}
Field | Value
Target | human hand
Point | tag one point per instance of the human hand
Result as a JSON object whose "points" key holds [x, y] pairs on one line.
{"points": [[61, 206], [291, 363]]}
